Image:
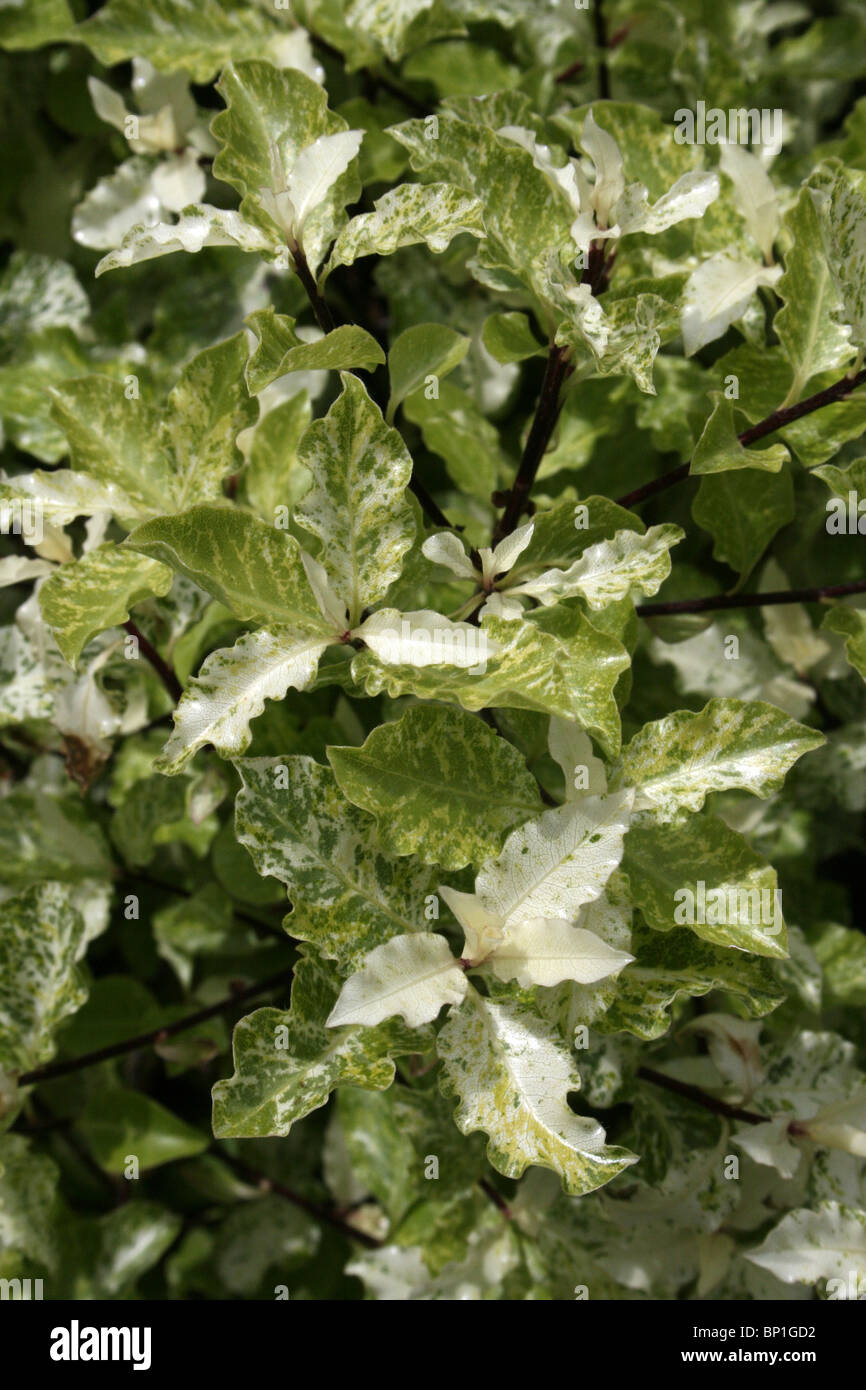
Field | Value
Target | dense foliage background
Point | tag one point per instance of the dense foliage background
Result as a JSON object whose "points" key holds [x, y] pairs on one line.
{"points": [[320, 329]]}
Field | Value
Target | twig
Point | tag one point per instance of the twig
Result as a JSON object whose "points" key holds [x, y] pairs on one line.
{"points": [[601, 49], [377, 79], [776, 420], [496, 1197], [719, 1107], [104, 1054], [429, 505], [768, 599], [330, 1218], [543, 424], [324, 317], [162, 668]]}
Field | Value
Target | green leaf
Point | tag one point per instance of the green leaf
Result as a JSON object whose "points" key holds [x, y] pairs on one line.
{"points": [[231, 689], [743, 511], [115, 439], [47, 835], [287, 1062], [254, 569], [348, 895], [424, 351], [279, 350], [453, 427], [812, 339], [441, 785], [357, 507], [119, 1124], [718, 450], [511, 1076], [509, 338], [207, 410], [557, 662], [273, 477], [199, 38], [669, 966], [737, 905], [44, 936], [675, 762], [850, 625], [410, 213], [33, 25], [83, 598]]}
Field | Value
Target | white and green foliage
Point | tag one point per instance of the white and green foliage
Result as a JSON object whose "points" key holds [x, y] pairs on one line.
{"points": [[480, 841]]}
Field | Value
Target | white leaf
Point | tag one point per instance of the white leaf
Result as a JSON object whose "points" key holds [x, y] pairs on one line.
{"points": [[425, 638], [179, 181], [733, 1046], [317, 169], [551, 866], [198, 226], [17, 569], [231, 689], [571, 747], [628, 565], [545, 950], [330, 604], [481, 925], [609, 176], [117, 204], [412, 975], [754, 195], [690, 196], [810, 1245], [444, 548], [717, 293], [501, 560]]}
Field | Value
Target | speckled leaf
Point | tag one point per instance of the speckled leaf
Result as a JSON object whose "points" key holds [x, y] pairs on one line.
{"points": [[279, 349], [357, 507], [254, 569], [668, 966], [512, 1076], [410, 213], [206, 412], [115, 440], [86, 596], [348, 895], [231, 689], [629, 565], [198, 36], [812, 339], [718, 293], [664, 860], [287, 1062], [198, 226], [44, 935], [840, 200], [675, 762], [557, 663], [524, 222], [441, 785], [62, 494]]}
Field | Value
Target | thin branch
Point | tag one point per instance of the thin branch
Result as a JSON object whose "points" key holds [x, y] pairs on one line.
{"points": [[496, 1198], [776, 420], [324, 317], [324, 1214], [601, 46], [429, 505], [104, 1054], [763, 600], [162, 668], [718, 1107], [543, 425]]}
